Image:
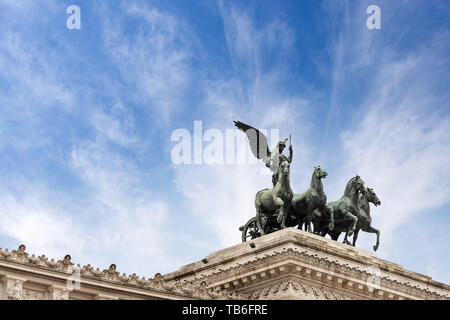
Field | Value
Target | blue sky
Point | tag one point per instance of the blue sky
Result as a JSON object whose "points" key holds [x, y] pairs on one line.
{"points": [[86, 118]]}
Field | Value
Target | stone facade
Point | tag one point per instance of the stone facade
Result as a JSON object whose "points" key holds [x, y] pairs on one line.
{"points": [[288, 264]]}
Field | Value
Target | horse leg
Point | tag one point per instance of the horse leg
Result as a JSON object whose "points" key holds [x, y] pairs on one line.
{"points": [[299, 223], [258, 221], [345, 239], [371, 229], [308, 223], [323, 230], [331, 224], [317, 216], [350, 216], [309, 217], [355, 236], [334, 235], [281, 215]]}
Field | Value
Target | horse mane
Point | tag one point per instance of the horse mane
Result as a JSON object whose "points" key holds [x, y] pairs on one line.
{"points": [[349, 184], [316, 183]]}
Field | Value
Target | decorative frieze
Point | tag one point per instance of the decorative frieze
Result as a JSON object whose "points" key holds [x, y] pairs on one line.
{"points": [[159, 285], [314, 262]]}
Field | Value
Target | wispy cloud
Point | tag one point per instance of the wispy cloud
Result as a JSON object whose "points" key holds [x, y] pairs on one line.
{"points": [[105, 212], [154, 59], [401, 146], [396, 138], [37, 220]]}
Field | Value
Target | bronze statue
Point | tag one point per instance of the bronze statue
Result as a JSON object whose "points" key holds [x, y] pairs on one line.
{"points": [[275, 201], [278, 207], [364, 218], [272, 206], [344, 210], [304, 204]]}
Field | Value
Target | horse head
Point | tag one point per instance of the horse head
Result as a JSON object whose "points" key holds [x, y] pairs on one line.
{"points": [[355, 183], [320, 173], [283, 169], [359, 184], [372, 197]]}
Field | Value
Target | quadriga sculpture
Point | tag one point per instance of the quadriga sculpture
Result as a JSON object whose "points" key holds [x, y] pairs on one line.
{"points": [[304, 204], [345, 211], [278, 208]]}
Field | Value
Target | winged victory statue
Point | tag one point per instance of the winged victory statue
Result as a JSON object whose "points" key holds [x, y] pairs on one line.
{"points": [[260, 149]]}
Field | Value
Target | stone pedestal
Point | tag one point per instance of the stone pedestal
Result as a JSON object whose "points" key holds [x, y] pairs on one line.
{"points": [[292, 264]]}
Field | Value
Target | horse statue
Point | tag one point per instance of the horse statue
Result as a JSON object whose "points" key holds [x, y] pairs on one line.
{"points": [[304, 204], [345, 211], [274, 202], [364, 218]]}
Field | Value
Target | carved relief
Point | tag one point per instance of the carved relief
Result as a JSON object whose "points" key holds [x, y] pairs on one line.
{"points": [[111, 274], [294, 289], [14, 291], [324, 262], [33, 295], [19, 255], [62, 295], [65, 264]]}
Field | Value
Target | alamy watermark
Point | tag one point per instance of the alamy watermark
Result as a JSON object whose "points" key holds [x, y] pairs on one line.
{"points": [[214, 146], [374, 20], [74, 20], [373, 282], [74, 281]]}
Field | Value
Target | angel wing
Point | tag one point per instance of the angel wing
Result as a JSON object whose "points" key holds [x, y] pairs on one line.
{"points": [[257, 141]]}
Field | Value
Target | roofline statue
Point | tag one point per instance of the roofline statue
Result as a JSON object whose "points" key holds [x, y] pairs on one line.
{"points": [[279, 207]]}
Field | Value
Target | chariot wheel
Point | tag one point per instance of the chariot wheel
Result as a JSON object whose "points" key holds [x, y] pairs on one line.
{"points": [[250, 230]]}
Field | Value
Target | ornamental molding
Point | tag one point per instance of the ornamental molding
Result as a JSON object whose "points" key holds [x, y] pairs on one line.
{"points": [[310, 259], [332, 265], [295, 290], [196, 289]]}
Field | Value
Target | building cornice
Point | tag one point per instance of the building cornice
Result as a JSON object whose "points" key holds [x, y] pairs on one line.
{"points": [[19, 262], [308, 258], [287, 264]]}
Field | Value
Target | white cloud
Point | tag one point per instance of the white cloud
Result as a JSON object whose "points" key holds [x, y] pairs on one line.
{"points": [[399, 142], [110, 215], [154, 59], [37, 220]]}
